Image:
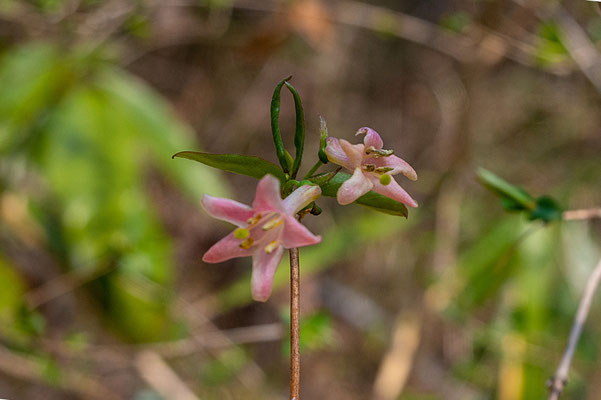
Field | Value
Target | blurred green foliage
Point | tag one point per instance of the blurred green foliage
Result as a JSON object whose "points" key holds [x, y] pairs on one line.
{"points": [[78, 137], [456, 22], [550, 49], [317, 332]]}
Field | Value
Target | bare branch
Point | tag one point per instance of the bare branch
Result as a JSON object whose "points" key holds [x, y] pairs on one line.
{"points": [[575, 215], [557, 383]]}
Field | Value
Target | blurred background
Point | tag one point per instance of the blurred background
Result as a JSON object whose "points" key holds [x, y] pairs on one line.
{"points": [[103, 294]]}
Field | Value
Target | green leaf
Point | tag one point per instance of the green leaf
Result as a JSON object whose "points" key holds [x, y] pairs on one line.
{"points": [[372, 199], [547, 210], [244, 165], [513, 197], [275, 125], [299, 133]]}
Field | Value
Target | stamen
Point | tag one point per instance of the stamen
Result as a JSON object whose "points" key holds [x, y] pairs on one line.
{"points": [[252, 221], [383, 170], [378, 152], [272, 223], [369, 167], [241, 233], [385, 179], [271, 247], [247, 243]]}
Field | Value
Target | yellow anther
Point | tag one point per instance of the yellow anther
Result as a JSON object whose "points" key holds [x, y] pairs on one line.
{"points": [[271, 247], [378, 152], [272, 224], [241, 233], [385, 179], [369, 167], [254, 220], [383, 170], [247, 243]]}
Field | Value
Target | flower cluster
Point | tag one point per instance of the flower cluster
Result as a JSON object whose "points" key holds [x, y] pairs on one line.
{"points": [[270, 225], [372, 167]]}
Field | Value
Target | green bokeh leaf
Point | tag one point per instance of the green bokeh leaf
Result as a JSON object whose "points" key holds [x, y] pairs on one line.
{"points": [[244, 165], [372, 199], [513, 197], [547, 210]]}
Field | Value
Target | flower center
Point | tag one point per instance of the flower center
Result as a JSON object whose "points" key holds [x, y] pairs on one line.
{"points": [[263, 231]]}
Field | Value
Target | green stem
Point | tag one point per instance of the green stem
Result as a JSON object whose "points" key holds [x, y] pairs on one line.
{"points": [[313, 169]]}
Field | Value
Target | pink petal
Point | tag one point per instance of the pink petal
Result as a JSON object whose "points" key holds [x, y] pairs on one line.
{"points": [[353, 188], [371, 137], [400, 166], [225, 249], [296, 234], [336, 154], [300, 198], [267, 197], [392, 190], [354, 152], [264, 266], [227, 210]]}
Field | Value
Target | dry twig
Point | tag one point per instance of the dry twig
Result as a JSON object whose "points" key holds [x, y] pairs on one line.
{"points": [[588, 213], [558, 381]]}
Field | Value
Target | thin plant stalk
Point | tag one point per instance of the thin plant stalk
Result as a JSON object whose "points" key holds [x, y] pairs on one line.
{"points": [[313, 169], [294, 325], [558, 382]]}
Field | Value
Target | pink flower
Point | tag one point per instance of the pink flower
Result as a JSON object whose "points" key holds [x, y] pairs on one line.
{"points": [[372, 168], [264, 230]]}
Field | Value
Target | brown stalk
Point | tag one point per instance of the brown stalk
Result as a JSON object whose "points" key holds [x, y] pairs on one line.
{"points": [[294, 325]]}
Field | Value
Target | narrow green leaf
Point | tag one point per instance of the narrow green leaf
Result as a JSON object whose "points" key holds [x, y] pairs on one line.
{"points": [[372, 199], [322, 140], [275, 125], [244, 165], [299, 132], [513, 197]]}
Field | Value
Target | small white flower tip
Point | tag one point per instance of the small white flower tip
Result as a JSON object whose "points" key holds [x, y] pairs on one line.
{"points": [[412, 175], [361, 131]]}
